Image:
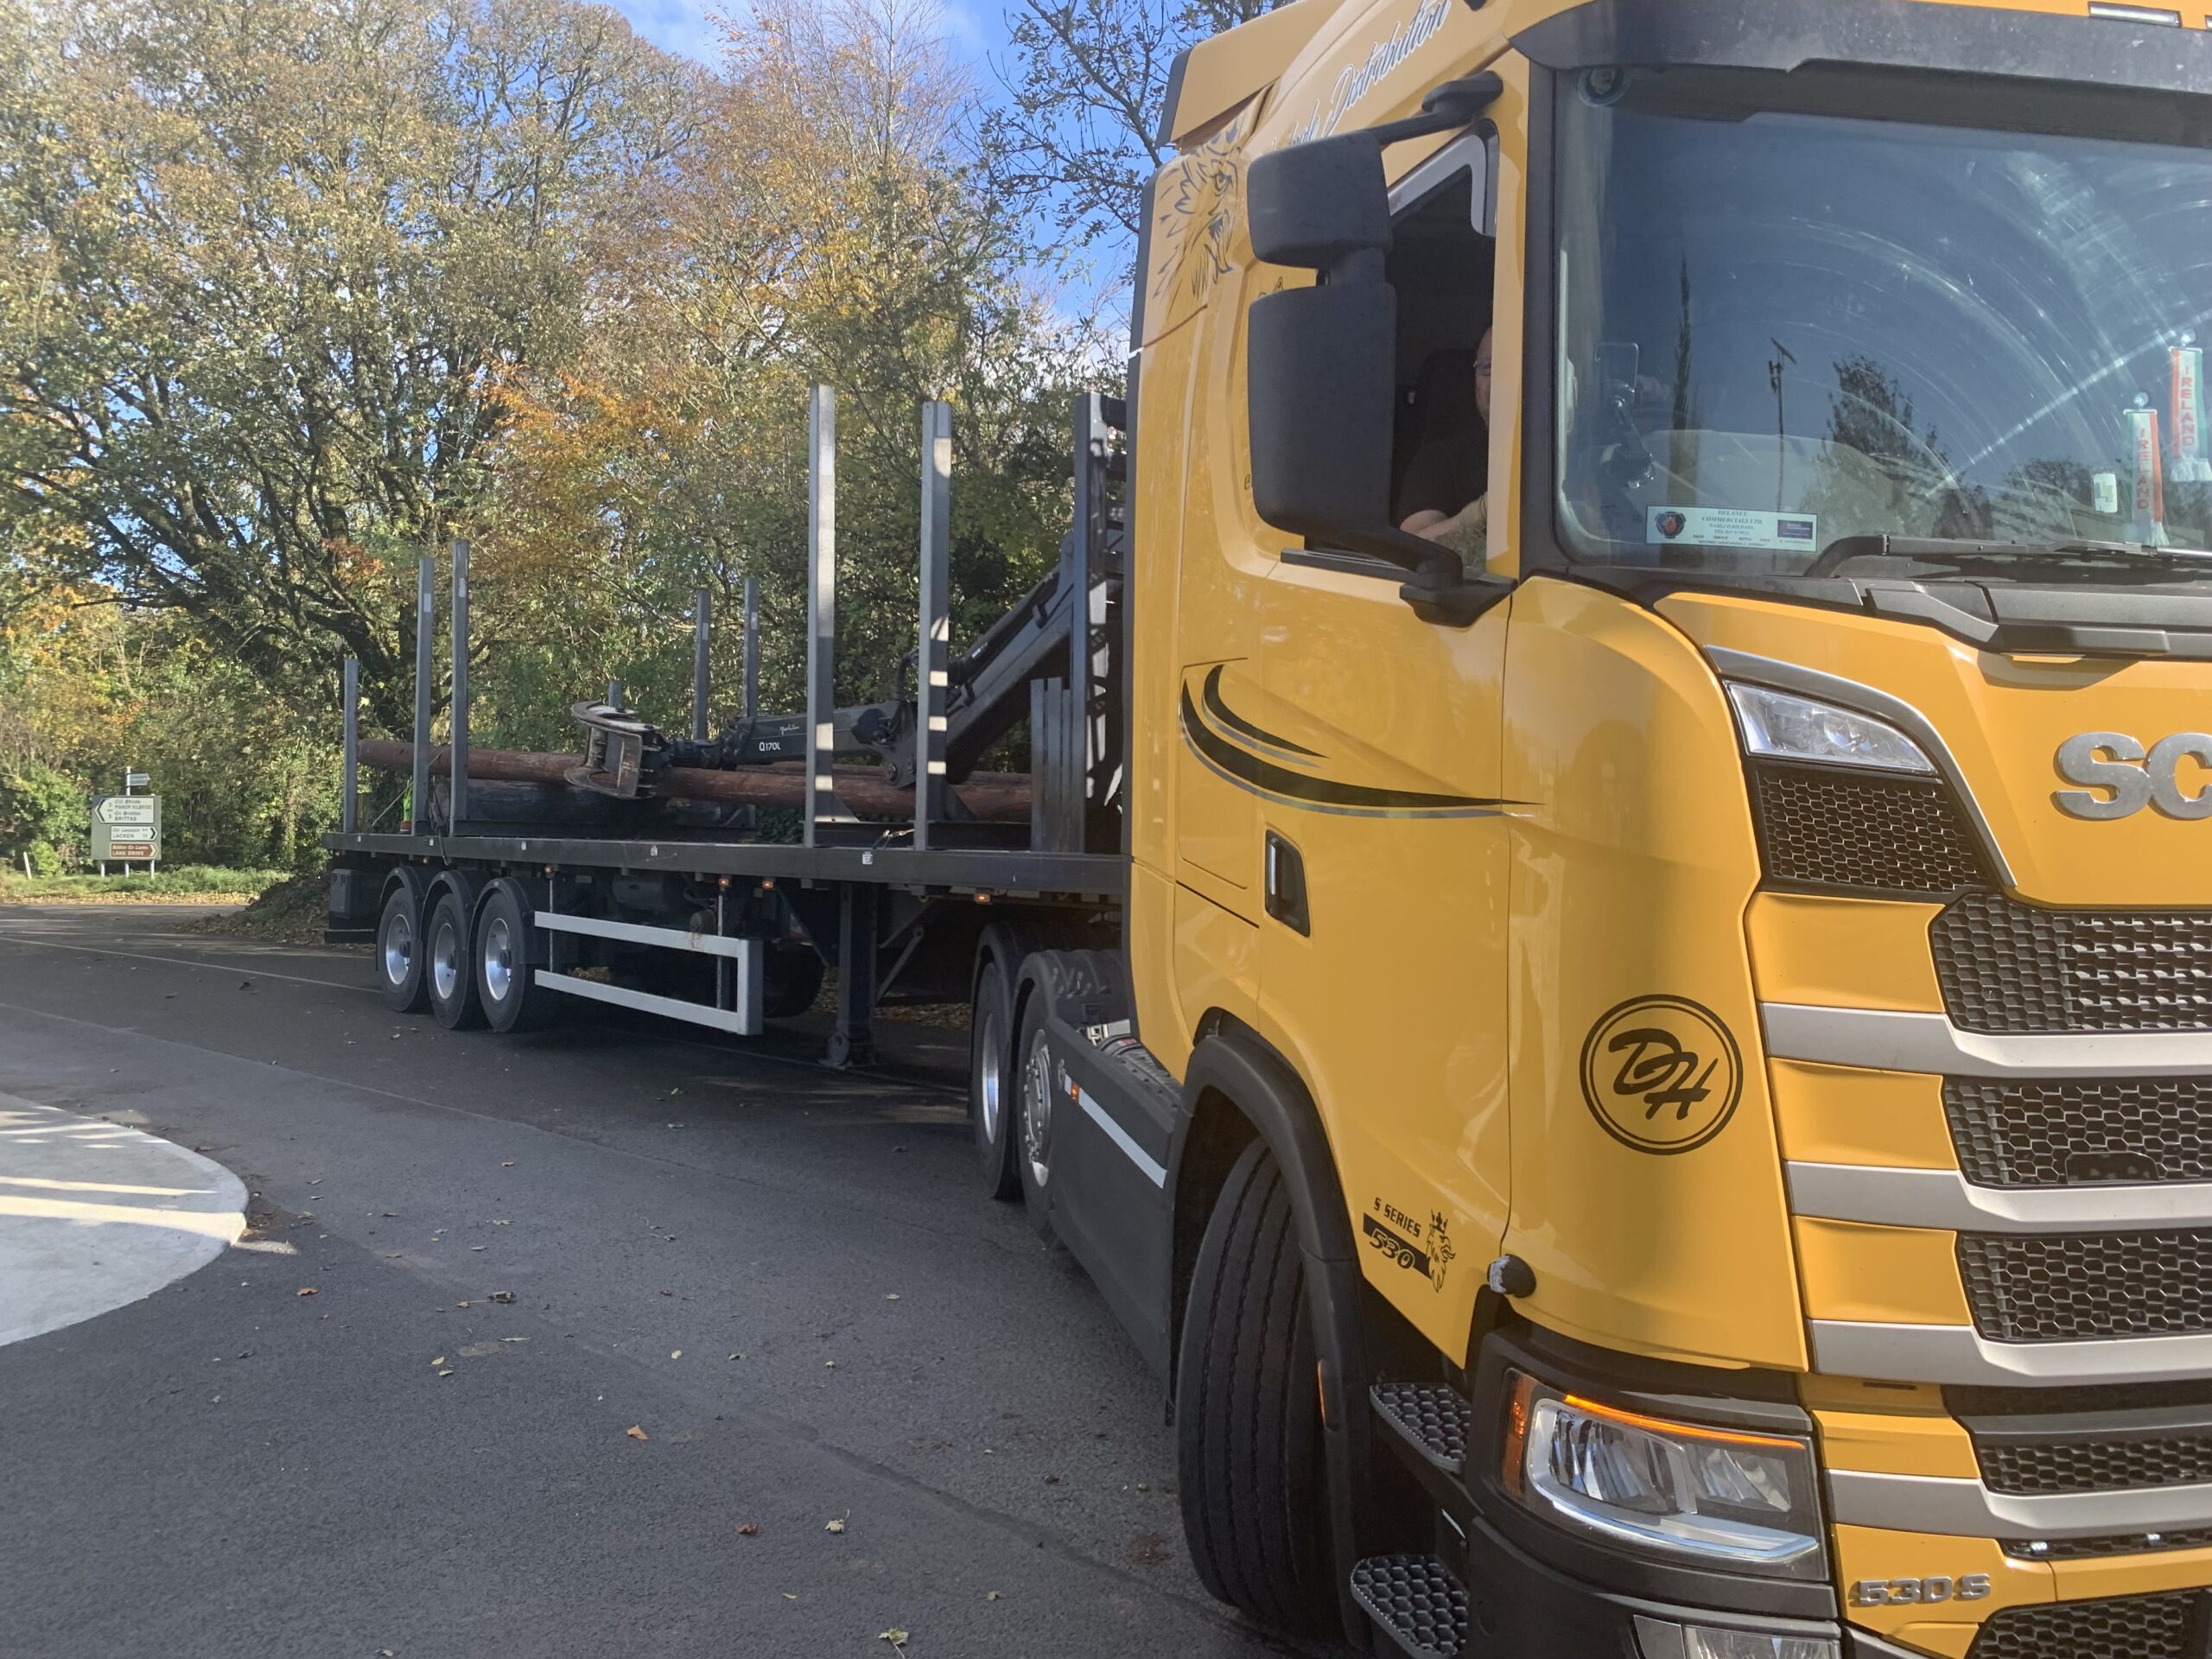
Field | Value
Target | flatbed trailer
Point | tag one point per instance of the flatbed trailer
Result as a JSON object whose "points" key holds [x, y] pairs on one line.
{"points": [[896, 911]]}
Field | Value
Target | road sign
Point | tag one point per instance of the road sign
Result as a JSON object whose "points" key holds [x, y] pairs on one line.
{"points": [[136, 780], [133, 810], [127, 828]]}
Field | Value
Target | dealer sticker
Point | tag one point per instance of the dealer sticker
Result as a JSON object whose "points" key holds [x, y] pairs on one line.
{"points": [[1787, 532]]}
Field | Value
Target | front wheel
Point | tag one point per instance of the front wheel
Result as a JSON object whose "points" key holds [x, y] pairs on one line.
{"points": [[1248, 1409]]}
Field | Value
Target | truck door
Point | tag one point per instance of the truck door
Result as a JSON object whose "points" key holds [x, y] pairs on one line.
{"points": [[1378, 768]]}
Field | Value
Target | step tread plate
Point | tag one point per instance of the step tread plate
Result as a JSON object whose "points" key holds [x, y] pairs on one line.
{"points": [[1432, 1418], [1415, 1602]]}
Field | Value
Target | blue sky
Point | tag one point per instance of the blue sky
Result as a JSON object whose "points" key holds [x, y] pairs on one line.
{"points": [[976, 29]]}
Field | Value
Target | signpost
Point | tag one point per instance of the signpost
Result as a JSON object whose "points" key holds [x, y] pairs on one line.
{"points": [[127, 828]]}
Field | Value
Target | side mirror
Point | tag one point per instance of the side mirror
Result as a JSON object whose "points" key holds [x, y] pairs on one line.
{"points": [[1316, 206]]}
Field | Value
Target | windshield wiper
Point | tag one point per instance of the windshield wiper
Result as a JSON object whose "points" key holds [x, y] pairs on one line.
{"points": [[1926, 551]]}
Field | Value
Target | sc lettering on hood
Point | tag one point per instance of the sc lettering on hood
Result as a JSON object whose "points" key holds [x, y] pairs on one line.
{"points": [[2119, 777]]}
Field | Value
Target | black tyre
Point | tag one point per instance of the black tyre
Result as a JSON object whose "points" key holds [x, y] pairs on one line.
{"points": [[449, 966], [990, 1079], [1032, 1130], [400, 979], [1248, 1411], [792, 977], [505, 958]]}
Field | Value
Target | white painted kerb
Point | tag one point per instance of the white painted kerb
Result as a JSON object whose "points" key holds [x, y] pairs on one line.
{"points": [[94, 1216]]}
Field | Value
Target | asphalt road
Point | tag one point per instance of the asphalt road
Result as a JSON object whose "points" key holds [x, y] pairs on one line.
{"points": [[872, 1405]]}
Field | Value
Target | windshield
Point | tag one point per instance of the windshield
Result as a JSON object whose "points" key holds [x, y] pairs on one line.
{"points": [[1784, 325]]}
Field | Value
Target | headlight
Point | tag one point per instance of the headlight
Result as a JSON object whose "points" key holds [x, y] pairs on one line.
{"points": [[1786, 728], [1659, 1640], [1715, 1497]]}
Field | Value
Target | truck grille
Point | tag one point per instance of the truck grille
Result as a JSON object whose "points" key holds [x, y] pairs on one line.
{"points": [[2012, 968], [2094, 1465], [1836, 831], [2075, 1286], [2095, 1549], [2059, 1131], [2131, 1627]]}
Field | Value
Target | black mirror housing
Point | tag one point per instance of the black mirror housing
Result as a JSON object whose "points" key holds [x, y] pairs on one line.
{"points": [[1320, 404], [1314, 204]]}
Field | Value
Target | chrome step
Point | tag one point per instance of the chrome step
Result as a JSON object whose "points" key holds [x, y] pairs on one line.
{"points": [[1432, 1419], [1415, 1602]]}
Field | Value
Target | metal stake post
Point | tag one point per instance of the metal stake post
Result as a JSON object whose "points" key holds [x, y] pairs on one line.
{"points": [[426, 611], [702, 633], [932, 663], [349, 787], [614, 694], [752, 646], [457, 795], [822, 804]]}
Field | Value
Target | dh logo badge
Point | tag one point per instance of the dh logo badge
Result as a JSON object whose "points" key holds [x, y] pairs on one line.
{"points": [[1662, 1074]]}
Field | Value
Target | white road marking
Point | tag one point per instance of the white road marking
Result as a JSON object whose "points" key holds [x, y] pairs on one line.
{"points": [[245, 967], [116, 1216]]}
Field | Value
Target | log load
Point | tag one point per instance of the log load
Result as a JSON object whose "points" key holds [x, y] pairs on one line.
{"points": [[992, 798]]}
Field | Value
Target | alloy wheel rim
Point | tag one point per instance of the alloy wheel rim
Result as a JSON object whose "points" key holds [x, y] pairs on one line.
{"points": [[398, 948], [1037, 1112], [499, 959], [989, 1081], [445, 960]]}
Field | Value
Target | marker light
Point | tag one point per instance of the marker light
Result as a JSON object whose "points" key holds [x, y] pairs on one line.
{"points": [[1786, 728], [1745, 1501]]}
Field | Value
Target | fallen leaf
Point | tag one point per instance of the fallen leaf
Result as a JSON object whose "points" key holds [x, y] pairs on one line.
{"points": [[676, 1353], [445, 1373], [833, 1526], [306, 1290], [891, 1296], [440, 1360], [503, 1297], [477, 1247], [245, 984], [636, 1433], [990, 1595], [509, 1164], [461, 1304], [896, 1638], [750, 1529], [789, 1597], [829, 1364]]}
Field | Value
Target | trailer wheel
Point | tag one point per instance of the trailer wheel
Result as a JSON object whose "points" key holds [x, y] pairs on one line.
{"points": [[1248, 1414], [1032, 1126], [448, 966], [791, 979], [400, 979], [506, 983], [991, 1088]]}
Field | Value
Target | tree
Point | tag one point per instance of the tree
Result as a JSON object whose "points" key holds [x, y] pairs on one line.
{"points": [[1087, 83], [266, 265]]}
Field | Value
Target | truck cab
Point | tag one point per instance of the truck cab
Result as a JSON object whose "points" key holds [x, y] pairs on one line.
{"points": [[1675, 1033]]}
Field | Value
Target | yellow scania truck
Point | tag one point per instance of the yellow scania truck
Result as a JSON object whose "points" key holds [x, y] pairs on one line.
{"points": [[1717, 986], [1611, 967]]}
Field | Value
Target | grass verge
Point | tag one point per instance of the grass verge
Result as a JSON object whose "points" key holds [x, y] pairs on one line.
{"points": [[205, 884]]}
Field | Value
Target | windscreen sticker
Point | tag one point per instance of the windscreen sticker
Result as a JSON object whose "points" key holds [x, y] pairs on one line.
{"points": [[1788, 532]]}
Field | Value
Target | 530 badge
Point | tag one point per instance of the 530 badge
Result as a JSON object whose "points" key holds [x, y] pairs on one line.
{"points": [[1662, 1074]]}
